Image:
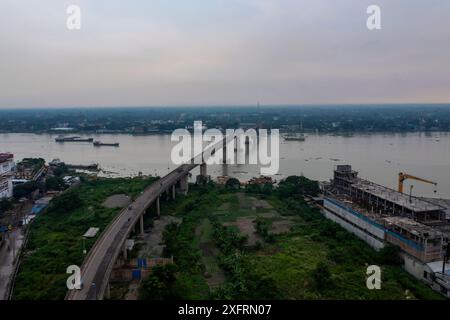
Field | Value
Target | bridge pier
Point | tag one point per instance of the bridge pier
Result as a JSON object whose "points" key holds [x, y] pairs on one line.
{"points": [[224, 153], [141, 220], [203, 171], [184, 185], [125, 253], [158, 208], [203, 177], [173, 192]]}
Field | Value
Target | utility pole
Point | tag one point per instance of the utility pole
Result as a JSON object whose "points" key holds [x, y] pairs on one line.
{"points": [[95, 290], [84, 245]]}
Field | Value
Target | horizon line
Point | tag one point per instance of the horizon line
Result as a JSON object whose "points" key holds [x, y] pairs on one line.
{"points": [[188, 106]]}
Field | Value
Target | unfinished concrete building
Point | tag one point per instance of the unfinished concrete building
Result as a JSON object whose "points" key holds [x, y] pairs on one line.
{"points": [[423, 242], [380, 215], [382, 199]]}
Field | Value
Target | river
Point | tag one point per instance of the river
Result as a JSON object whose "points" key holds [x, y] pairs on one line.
{"points": [[377, 157]]}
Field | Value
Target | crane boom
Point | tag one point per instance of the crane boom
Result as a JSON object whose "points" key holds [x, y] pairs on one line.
{"points": [[404, 176]]}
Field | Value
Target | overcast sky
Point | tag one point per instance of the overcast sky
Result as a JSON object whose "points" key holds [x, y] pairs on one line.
{"points": [[222, 52]]}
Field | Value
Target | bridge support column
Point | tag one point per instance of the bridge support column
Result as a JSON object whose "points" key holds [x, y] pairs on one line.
{"points": [[142, 224], [184, 185], [125, 253], [158, 208], [224, 153], [203, 171], [203, 177], [173, 192]]}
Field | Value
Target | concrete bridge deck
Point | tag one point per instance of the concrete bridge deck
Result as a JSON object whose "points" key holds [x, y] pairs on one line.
{"points": [[100, 260]]}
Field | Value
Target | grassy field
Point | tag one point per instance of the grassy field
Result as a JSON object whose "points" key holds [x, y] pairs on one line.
{"points": [[212, 252], [55, 240], [229, 245]]}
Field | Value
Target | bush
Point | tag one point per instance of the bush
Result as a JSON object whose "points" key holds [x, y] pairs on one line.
{"points": [[263, 228], [322, 277], [55, 183], [298, 185], [5, 205], [160, 284], [66, 202], [390, 255], [233, 183], [25, 189]]}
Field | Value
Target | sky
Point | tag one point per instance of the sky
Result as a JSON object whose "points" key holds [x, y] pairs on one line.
{"points": [[223, 52]]}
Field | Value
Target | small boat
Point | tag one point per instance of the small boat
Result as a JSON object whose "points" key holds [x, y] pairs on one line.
{"points": [[72, 139], [294, 137], [99, 144]]}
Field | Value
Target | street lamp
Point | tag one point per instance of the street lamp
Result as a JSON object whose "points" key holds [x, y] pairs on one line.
{"points": [[95, 290], [84, 245]]}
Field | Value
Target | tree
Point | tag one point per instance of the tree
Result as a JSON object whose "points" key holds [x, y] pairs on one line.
{"points": [[66, 202], [55, 183], [390, 255], [322, 276], [60, 169], [267, 189], [160, 284], [5, 205], [233, 183], [24, 189], [298, 185]]}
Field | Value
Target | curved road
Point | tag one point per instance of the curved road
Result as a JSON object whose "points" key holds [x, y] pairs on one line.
{"points": [[100, 260]]}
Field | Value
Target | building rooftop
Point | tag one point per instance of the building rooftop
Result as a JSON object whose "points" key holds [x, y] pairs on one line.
{"points": [[411, 203], [416, 228], [6, 157], [436, 266]]}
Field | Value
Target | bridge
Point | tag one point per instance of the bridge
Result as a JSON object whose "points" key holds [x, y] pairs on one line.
{"points": [[99, 263]]}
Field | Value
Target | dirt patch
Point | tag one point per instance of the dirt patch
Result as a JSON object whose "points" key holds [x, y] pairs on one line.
{"points": [[245, 202], [282, 226], [224, 206], [247, 228], [270, 214], [116, 201], [261, 204], [214, 275], [152, 247]]}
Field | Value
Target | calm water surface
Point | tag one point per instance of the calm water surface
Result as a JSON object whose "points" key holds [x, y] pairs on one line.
{"points": [[378, 157]]}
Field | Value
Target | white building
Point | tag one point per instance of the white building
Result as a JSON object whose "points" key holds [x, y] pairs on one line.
{"points": [[6, 175]]}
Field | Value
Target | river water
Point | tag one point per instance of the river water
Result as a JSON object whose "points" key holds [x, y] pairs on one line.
{"points": [[377, 157]]}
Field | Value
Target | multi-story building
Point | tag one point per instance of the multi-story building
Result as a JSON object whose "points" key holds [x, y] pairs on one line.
{"points": [[380, 215], [6, 168]]}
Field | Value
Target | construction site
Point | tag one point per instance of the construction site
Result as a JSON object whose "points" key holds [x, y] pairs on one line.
{"points": [[379, 215]]}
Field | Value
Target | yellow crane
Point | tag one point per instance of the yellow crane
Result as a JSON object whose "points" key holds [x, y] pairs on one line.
{"points": [[404, 176]]}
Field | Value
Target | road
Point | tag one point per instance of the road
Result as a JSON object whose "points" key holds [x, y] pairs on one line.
{"points": [[98, 265]]}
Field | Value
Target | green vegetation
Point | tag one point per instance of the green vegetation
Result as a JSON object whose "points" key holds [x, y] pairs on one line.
{"points": [[60, 169], [55, 239], [55, 183], [311, 258], [5, 205], [25, 189], [160, 285], [233, 183], [255, 243], [36, 163]]}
